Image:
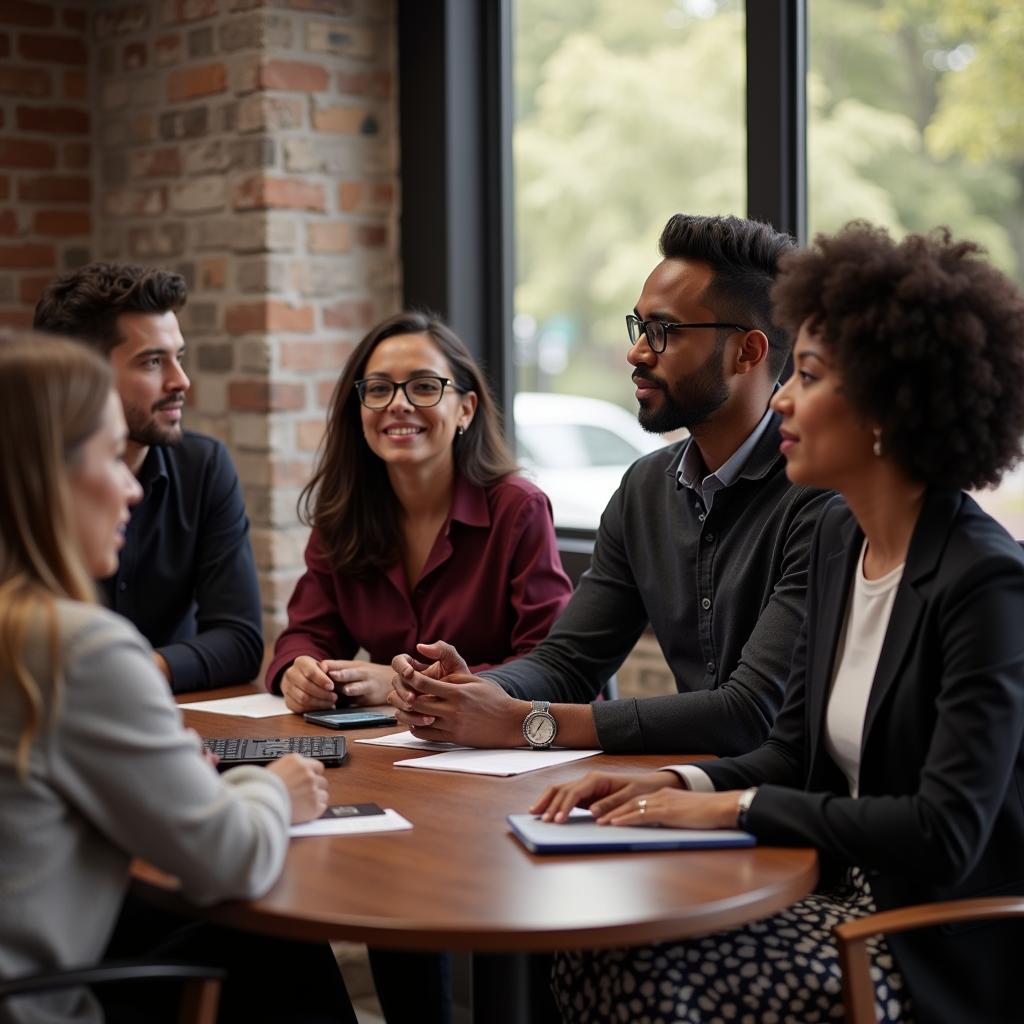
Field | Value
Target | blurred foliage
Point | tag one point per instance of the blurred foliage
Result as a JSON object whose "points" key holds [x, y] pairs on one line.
{"points": [[627, 113]]}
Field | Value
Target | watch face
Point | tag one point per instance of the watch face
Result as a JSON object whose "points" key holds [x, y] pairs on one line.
{"points": [[540, 728]]}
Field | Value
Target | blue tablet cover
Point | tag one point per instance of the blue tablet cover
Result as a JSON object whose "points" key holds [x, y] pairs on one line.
{"points": [[581, 834]]}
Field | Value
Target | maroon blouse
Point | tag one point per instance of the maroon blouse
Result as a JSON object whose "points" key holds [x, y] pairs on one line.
{"points": [[492, 585]]}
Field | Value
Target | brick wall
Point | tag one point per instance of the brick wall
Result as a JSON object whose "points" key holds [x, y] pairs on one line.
{"points": [[46, 220], [250, 145]]}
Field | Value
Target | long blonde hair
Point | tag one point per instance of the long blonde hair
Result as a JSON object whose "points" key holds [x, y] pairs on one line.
{"points": [[52, 396]]}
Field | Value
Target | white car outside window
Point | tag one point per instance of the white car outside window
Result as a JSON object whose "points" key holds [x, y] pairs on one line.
{"points": [[576, 450]]}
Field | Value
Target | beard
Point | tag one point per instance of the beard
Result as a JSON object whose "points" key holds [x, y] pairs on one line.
{"points": [[143, 428], [689, 401]]}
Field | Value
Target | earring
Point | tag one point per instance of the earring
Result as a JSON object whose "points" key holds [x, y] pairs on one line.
{"points": [[460, 431], [877, 446]]}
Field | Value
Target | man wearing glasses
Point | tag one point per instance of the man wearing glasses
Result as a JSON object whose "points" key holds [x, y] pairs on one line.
{"points": [[187, 578], [706, 540]]}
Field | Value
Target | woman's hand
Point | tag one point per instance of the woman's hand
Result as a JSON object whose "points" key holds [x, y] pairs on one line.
{"points": [[361, 681], [305, 686], [602, 792], [678, 808], [307, 785]]}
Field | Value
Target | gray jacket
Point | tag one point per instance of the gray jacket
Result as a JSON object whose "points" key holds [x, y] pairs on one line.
{"points": [[113, 775]]}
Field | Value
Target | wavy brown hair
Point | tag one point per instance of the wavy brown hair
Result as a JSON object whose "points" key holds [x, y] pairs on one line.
{"points": [[929, 339], [52, 396], [349, 500]]}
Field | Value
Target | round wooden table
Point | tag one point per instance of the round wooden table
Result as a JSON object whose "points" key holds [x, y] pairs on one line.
{"points": [[460, 881]]}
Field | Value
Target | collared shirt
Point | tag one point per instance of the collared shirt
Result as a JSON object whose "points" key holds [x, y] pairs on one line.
{"points": [[187, 578], [691, 465], [723, 589], [492, 585]]}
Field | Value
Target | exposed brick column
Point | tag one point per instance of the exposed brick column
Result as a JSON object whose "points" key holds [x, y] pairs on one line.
{"points": [[250, 145], [45, 123]]}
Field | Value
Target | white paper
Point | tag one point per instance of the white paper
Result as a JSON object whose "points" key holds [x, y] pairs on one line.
{"points": [[249, 705], [495, 762], [389, 821], [406, 739]]}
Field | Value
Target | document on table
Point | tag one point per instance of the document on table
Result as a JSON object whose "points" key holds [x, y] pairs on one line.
{"points": [[249, 705], [406, 739], [389, 821], [495, 762]]}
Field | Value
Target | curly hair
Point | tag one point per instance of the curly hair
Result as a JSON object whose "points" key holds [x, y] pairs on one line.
{"points": [[86, 303], [744, 256], [929, 340]]}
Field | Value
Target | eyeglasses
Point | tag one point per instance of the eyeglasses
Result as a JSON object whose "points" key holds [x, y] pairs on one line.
{"points": [[657, 330], [423, 392]]}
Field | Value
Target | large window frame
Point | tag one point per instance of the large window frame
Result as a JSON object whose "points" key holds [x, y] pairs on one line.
{"points": [[455, 111]]}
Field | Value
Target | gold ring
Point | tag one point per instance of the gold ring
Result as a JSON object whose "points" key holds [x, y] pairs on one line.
{"points": [[642, 804]]}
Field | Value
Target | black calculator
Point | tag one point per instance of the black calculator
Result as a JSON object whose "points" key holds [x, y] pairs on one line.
{"points": [[331, 750]]}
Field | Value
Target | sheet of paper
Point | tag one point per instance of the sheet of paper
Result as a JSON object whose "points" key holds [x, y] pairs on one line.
{"points": [[249, 705], [495, 762], [389, 821], [406, 739]]}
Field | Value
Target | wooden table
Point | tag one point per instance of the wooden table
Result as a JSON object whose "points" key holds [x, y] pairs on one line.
{"points": [[460, 881]]}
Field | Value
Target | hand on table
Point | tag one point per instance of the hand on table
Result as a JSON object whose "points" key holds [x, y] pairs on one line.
{"points": [[654, 798], [459, 708], [361, 681], [307, 785]]}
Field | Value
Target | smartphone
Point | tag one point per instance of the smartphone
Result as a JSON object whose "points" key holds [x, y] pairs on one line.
{"points": [[334, 719]]}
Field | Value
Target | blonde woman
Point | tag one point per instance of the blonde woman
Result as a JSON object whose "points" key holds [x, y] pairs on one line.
{"points": [[95, 766]]}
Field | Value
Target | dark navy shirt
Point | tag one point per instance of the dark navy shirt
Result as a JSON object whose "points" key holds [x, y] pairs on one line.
{"points": [[187, 578]]}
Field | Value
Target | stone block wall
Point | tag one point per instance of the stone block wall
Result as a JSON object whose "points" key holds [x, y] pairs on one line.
{"points": [[250, 145]]}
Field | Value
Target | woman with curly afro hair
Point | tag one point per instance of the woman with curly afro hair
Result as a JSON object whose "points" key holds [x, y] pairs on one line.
{"points": [[898, 751]]}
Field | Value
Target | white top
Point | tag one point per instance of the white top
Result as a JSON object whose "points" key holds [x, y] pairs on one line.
{"points": [[860, 643]]}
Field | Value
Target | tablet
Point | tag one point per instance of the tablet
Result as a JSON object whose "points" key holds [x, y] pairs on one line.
{"points": [[581, 834]]}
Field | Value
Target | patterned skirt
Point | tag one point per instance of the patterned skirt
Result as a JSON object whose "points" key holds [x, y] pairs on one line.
{"points": [[783, 969]]}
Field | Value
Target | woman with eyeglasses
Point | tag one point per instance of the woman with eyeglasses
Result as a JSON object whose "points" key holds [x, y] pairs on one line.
{"points": [[95, 765], [899, 750], [421, 527]]}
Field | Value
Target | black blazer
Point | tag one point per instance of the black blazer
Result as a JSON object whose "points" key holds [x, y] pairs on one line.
{"points": [[941, 808]]}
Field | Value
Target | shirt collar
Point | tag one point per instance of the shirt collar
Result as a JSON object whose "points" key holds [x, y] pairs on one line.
{"points": [[690, 468], [154, 467]]}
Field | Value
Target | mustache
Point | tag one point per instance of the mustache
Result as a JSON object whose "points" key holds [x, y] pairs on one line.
{"points": [[178, 398]]}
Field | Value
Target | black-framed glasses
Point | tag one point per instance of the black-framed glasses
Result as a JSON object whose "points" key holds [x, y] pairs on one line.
{"points": [[422, 391], [657, 330]]}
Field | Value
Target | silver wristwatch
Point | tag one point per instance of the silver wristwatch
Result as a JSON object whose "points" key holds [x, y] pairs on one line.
{"points": [[746, 799], [539, 726]]}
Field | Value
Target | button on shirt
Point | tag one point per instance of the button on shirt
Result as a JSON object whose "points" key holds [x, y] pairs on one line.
{"points": [[492, 585], [186, 577]]}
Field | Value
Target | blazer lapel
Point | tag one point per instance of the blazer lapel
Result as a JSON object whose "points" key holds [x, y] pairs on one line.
{"points": [[833, 595], [926, 546]]}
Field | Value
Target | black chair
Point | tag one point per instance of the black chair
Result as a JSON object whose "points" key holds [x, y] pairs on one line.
{"points": [[200, 990]]}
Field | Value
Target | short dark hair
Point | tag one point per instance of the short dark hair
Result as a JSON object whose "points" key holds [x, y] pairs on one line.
{"points": [[349, 500], [744, 257], [86, 303], [929, 341]]}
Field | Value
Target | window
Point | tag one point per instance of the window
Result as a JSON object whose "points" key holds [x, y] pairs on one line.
{"points": [[624, 115], [914, 120]]}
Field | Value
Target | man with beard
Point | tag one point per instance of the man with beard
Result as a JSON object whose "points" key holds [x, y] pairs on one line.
{"points": [[705, 540], [187, 578]]}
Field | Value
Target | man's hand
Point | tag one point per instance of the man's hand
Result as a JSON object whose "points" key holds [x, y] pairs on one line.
{"points": [[602, 792], [305, 686], [306, 784], [361, 681], [464, 709], [440, 661]]}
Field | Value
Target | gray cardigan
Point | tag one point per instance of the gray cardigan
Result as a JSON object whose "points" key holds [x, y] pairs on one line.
{"points": [[114, 776], [722, 590]]}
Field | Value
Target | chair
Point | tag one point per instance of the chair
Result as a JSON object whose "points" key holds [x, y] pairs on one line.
{"points": [[852, 937], [200, 991]]}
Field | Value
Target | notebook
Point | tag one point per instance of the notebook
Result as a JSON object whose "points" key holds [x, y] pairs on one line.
{"points": [[581, 834]]}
